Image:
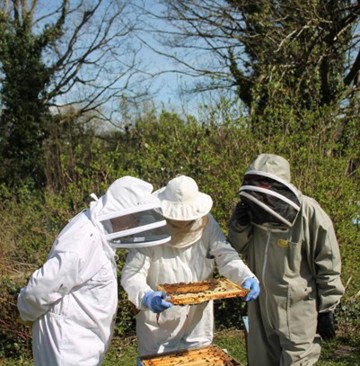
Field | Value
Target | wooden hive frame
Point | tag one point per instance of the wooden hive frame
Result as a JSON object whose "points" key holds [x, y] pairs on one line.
{"points": [[198, 292], [204, 356]]}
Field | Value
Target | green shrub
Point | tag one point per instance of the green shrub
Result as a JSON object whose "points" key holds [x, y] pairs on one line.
{"points": [[159, 148]]}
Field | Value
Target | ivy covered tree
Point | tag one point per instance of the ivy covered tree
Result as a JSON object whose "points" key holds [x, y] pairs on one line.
{"points": [[302, 54], [25, 77]]}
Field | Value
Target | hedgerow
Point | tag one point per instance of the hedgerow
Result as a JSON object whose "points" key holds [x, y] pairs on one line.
{"points": [[156, 149]]}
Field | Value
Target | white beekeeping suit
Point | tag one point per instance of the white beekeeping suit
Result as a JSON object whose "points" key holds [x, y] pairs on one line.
{"points": [[72, 299], [197, 247]]}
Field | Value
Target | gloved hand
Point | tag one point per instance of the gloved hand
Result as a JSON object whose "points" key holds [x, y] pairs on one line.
{"points": [[154, 300], [241, 215], [253, 285], [326, 325]]}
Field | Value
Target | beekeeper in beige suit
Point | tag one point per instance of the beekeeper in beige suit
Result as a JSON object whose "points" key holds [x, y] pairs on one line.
{"points": [[290, 244]]}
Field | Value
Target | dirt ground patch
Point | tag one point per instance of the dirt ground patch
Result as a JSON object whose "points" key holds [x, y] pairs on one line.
{"points": [[343, 351]]}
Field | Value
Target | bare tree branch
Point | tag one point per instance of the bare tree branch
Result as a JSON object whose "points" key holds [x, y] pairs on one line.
{"points": [[296, 47]]}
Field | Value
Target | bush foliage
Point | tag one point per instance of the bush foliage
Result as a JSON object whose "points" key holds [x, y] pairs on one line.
{"points": [[157, 148]]}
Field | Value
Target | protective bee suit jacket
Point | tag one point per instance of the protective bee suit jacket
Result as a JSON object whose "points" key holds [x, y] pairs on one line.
{"points": [[298, 266], [73, 297], [186, 326]]}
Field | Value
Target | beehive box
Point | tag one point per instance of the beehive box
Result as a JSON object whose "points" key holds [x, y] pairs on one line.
{"points": [[204, 356], [198, 292]]}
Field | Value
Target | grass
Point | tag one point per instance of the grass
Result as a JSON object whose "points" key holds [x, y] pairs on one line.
{"points": [[123, 351], [340, 352]]}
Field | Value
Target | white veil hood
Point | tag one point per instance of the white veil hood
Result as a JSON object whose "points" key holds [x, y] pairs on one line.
{"points": [[126, 197]]}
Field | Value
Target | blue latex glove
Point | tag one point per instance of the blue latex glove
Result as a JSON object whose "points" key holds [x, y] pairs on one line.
{"points": [[251, 284], [154, 300]]}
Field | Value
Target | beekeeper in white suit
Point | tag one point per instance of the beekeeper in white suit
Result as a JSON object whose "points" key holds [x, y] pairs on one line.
{"points": [[290, 243], [196, 247], [72, 299]]}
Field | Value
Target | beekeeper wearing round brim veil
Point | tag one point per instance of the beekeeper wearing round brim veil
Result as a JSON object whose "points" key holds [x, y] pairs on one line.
{"points": [[72, 299], [197, 246]]}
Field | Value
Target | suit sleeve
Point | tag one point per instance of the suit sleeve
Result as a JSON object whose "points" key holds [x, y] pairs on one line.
{"points": [[327, 262], [48, 284], [239, 237], [134, 275], [227, 259]]}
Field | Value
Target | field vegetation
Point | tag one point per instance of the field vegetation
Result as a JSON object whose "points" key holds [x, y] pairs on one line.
{"points": [[156, 147]]}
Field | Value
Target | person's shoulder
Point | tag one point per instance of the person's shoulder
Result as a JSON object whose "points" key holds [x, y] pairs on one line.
{"points": [[310, 203], [212, 229], [77, 235], [210, 222], [312, 207], [210, 217]]}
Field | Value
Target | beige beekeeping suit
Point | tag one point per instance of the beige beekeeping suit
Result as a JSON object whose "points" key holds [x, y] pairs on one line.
{"points": [[296, 258]]}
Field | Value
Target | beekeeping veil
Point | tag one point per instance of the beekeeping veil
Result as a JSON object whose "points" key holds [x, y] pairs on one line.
{"points": [[129, 216], [267, 190], [185, 209]]}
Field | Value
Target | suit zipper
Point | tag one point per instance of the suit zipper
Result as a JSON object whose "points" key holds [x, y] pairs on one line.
{"points": [[263, 275]]}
